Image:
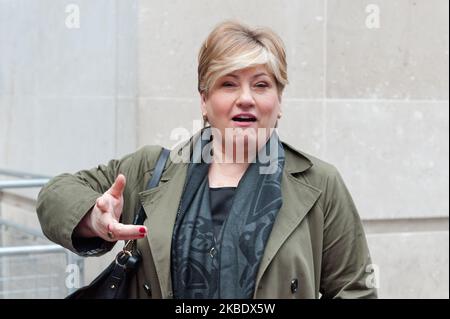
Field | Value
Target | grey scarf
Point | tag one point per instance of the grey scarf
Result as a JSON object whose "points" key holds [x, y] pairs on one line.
{"points": [[203, 266]]}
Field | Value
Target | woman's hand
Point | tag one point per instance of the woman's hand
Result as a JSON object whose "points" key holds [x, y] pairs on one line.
{"points": [[103, 220]]}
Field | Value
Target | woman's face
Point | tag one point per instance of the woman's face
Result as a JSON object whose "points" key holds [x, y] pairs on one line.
{"points": [[243, 100]]}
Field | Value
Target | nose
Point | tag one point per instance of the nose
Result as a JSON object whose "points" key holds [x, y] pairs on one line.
{"points": [[245, 98]]}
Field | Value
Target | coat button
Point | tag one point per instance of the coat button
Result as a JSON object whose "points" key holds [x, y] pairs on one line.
{"points": [[294, 285], [148, 290]]}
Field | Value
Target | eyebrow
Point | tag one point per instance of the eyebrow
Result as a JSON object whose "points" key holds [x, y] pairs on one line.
{"points": [[255, 76]]}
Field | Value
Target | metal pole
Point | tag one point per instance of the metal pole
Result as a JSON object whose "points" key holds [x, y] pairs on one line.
{"points": [[25, 250], [9, 172], [80, 262], [27, 230], [25, 183], [30, 180]]}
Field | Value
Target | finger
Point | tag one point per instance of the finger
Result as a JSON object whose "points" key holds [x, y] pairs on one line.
{"points": [[127, 232], [117, 188], [102, 204]]}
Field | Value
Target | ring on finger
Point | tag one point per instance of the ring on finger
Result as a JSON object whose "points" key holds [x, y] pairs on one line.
{"points": [[110, 235]]}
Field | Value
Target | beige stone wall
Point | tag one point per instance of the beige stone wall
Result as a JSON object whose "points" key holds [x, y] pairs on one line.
{"points": [[369, 97]]}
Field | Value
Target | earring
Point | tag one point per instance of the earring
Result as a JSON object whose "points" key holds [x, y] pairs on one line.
{"points": [[205, 119], [279, 115]]}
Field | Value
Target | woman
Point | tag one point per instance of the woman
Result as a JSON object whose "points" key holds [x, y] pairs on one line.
{"points": [[238, 213]]}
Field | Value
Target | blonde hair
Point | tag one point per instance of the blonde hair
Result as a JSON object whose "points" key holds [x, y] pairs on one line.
{"points": [[233, 46]]}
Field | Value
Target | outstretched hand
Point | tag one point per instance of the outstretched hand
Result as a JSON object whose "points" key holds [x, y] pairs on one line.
{"points": [[103, 220]]}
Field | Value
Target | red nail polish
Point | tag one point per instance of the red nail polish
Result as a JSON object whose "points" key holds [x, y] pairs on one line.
{"points": [[142, 235], [142, 230]]}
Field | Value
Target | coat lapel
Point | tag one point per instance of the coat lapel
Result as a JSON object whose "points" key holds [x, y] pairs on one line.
{"points": [[161, 206], [298, 199]]}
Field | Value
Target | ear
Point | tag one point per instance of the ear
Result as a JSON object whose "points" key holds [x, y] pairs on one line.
{"points": [[203, 101], [280, 103]]}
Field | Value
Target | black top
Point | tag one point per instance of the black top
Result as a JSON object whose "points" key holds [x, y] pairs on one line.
{"points": [[221, 199]]}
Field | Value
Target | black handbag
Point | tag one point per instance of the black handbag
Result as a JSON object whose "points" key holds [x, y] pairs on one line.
{"points": [[114, 281]]}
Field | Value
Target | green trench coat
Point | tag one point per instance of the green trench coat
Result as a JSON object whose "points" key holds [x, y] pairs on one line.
{"points": [[317, 239]]}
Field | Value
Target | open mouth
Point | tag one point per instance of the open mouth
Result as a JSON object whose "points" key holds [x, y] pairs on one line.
{"points": [[244, 118]]}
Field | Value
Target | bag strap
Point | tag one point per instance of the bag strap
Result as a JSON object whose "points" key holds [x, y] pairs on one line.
{"points": [[154, 181]]}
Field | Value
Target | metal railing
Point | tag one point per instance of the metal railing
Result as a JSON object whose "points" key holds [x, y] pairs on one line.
{"points": [[31, 252], [26, 179]]}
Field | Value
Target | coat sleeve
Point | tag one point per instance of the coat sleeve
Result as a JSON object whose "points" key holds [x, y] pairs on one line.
{"points": [[346, 262], [66, 198]]}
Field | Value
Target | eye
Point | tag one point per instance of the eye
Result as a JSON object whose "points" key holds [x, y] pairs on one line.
{"points": [[228, 84], [262, 84]]}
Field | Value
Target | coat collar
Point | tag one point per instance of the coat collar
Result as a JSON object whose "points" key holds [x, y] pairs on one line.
{"points": [[161, 206]]}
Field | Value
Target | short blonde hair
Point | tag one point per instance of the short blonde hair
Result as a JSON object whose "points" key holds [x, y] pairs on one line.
{"points": [[232, 46]]}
